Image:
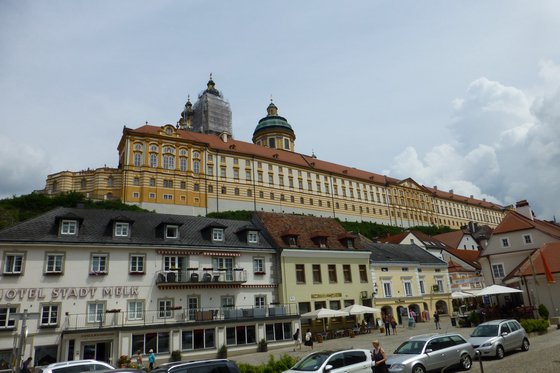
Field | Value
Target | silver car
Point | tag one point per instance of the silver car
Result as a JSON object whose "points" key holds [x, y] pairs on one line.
{"points": [[495, 338], [430, 352], [76, 366], [347, 361]]}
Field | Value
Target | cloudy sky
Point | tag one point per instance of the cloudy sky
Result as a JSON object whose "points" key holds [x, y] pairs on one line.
{"points": [[459, 94]]}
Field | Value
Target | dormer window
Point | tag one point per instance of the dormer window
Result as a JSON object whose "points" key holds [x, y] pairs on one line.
{"points": [[252, 237], [217, 234], [292, 241], [122, 229], [69, 227], [350, 243], [171, 231], [321, 242]]}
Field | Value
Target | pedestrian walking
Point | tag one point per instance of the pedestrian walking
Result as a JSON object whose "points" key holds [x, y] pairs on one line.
{"points": [[393, 325], [26, 366], [378, 358], [309, 339], [297, 340], [436, 319], [387, 322], [151, 359]]}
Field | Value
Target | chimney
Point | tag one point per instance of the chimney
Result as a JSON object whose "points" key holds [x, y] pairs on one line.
{"points": [[435, 187], [524, 209], [451, 191]]}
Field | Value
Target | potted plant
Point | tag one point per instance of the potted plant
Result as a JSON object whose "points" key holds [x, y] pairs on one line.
{"points": [[262, 346], [175, 355], [222, 352], [124, 361]]}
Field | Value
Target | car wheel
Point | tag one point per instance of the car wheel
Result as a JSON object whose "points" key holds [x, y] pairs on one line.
{"points": [[418, 369], [466, 362], [525, 345], [500, 352]]}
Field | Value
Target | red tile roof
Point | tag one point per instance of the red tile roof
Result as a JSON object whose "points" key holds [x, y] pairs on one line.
{"points": [[514, 221], [467, 256], [551, 252], [452, 239], [453, 267], [305, 228]]}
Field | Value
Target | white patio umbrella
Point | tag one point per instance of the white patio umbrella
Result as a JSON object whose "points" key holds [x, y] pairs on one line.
{"points": [[461, 295], [323, 313], [495, 290], [358, 309]]}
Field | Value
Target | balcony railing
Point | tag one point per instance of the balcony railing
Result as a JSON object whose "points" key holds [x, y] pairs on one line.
{"points": [[201, 277], [176, 315]]}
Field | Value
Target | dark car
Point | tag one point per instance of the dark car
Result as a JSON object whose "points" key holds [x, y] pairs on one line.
{"points": [[202, 366]]}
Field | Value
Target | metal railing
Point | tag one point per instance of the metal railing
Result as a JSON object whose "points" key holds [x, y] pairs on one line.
{"points": [[117, 318], [205, 276]]}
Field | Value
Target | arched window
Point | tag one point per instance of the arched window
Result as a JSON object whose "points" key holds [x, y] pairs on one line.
{"points": [[83, 183], [183, 164], [110, 181], [138, 159], [168, 162], [153, 148], [153, 160], [196, 166], [183, 152], [196, 154]]}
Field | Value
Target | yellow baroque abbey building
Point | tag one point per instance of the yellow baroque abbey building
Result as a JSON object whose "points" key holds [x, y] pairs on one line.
{"points": [[196, 167]]}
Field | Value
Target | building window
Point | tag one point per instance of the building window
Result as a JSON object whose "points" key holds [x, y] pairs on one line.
{"points": [[171, 231], [286, 144], [422, 289], [316, 274], [168, 183], [99, 263], [152, 182], [217, 234], [210, 189], [54, 263], [109, 182], [407, 288], [196, 166], [236, 191], [138, 159], [347, 273], [505, 242], [168, 162], [222, 172], [224, 264], [498, 270], [183, 164], [258, 266], [300, 274], [49, 315], [153, 160], [152, 195], [252, 237], [332, 273], [363, 273], [210, 170], [135, 310], [248, 175], [387, 292], [69, 227], [5, 320], [527, 239], [439, 282], [13, 264], [224, 190], [183, 185], [168, 197], [95, 312], [135, 195], [249, 192], [260, 301], [121, 229], [137, 263], [165, 308], [196, 187]]}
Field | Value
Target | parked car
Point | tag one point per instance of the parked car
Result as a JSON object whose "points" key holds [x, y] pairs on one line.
{"points": [[430, 352], [201, 366], [495, 338], [350, 361], [76, 366]]}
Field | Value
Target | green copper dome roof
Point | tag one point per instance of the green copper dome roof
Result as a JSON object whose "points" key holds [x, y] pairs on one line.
{"points": [[273, 121]]}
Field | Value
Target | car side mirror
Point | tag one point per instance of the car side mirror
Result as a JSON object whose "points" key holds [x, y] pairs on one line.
{"points": [[504, 334], [328, 368], [428, 350]]}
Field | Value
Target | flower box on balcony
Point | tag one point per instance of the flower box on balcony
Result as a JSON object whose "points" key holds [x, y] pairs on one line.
{"points": [[193, 269], [175, 308], [260, 273], [97, 273], [238, 269], [208, 269], [114, 310]]}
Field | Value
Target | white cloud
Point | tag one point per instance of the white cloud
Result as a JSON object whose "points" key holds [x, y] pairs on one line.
{"points": [[506, 145], [22, 167]]}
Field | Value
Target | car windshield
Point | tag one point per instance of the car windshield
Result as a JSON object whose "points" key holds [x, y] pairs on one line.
{"points": [[411, 347], [485, 331], [312, 362]]}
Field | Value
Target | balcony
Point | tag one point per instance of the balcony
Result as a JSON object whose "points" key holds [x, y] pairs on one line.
{"points": [[117, 318], [195, 278]]}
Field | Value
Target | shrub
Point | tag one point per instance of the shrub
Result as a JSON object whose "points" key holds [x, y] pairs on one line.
{"points": [[532, 325], [124, 361], [474, 318], [543, 311], [222, 353], [284, 363], [175, 355], [262, 347]]}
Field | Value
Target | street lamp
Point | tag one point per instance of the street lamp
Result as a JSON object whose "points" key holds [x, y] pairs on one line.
{"points": [[23, 316]]}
